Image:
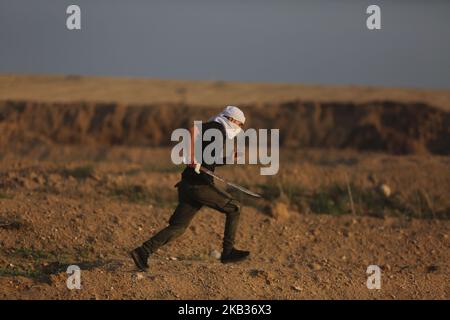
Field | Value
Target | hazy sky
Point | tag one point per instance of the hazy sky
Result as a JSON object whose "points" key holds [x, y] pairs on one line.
{"points": [[314, 42]]}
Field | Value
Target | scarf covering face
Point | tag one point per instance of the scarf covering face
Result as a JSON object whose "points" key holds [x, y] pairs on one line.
{"points": [[231, 128]]}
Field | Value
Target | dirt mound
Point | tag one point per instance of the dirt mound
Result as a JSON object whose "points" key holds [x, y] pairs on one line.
{"points": [[385, 126]]}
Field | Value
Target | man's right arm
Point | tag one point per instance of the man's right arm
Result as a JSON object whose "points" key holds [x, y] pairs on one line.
{"points": [[194, 164]]}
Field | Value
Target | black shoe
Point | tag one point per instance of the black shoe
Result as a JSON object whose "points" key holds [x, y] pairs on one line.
{"points": [[140, 257], [234, 256]]}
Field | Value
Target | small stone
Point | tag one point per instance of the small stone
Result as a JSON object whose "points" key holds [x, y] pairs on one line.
{"points": [[279, 211], [173, 258], [297, 288], [139, 276], [215, 254], [385, 190], [316, 266]]}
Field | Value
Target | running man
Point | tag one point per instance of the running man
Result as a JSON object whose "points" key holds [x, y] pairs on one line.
{"points": [[195, 190]]}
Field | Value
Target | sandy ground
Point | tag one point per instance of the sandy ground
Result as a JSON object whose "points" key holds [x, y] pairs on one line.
{"points": [[62, 220]]}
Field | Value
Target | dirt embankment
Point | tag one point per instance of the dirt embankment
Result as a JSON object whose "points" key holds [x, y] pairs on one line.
{"points": [[396, 128]]}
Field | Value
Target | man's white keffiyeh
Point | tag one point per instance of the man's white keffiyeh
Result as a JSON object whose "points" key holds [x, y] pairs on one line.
{"points": [[231, 128]]}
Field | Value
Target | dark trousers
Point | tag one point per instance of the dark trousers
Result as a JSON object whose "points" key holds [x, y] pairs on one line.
{"points": [[191, 199]]}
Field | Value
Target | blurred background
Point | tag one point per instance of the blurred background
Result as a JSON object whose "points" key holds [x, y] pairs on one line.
{"points": [[313, 42]]}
